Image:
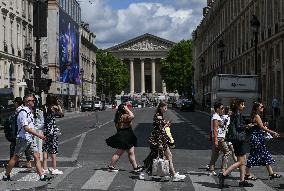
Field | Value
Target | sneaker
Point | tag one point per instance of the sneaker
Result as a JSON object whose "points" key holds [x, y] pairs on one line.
{"points": [[138, 169], [141, 176], [6, 178], [45, 171], [112, 169], [212, 173], [56, 171], [221, 180], [245, 184], [44, 178], [178, 177]]}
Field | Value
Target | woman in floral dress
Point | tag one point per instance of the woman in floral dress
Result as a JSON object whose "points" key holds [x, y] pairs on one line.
{"points": [[159, 143], [50, 146], [259, 155]]}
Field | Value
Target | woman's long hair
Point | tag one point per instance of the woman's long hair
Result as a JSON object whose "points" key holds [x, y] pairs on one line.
{"points": [[235, 104], [256, 104], [51, 100], [159, 108], [119, 112]]}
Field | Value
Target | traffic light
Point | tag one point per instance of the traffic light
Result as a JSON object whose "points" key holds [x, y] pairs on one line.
{"points": [[30, 85], [45, 84]]}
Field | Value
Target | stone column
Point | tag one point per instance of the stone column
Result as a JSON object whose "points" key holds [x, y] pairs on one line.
{"points": [[142, 77], [153, 76], [131, 77]]}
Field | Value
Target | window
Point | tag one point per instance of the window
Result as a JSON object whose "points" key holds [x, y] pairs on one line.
{"points": [[29, 10], [11, 34], [18, 35], [24, 8]]}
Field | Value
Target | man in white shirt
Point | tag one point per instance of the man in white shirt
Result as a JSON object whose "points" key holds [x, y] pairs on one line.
{"points": [[25, 138]]}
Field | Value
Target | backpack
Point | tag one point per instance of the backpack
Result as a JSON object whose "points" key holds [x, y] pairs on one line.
{"points": [[11, 127]]}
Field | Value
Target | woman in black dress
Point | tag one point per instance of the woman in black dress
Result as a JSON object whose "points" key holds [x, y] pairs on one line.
{"points": [[237, 124], [124, 139]]}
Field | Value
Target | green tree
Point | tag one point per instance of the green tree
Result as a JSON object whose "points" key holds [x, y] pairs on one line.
{"points": [[177, 70], [112, 74]]}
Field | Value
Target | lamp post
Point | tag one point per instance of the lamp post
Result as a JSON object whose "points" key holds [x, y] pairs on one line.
{"points": [[255, 24], [202, 64], [221, 47], [82, 81], [28, 51], [92, 76]]}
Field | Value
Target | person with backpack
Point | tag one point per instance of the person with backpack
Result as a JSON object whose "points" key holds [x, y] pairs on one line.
{"points": [[25, 139], [11, 128]]}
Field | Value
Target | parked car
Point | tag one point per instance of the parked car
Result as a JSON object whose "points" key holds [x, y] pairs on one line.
{"points": [[98, 105], [87, 106], [187, 105]]}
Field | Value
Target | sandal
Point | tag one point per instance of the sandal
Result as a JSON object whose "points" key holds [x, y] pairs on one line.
{"points": [[250, 177], [274, 175]]}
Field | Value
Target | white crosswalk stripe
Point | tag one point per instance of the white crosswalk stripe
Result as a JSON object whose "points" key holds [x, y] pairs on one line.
{"points": [[101, 180], [257, 184], [14, 172], [30, 177]]}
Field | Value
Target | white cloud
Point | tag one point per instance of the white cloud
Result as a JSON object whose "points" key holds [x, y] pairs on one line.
{"points": [[166, 20]]}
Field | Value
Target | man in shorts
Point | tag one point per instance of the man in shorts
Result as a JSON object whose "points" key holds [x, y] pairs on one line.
{"points": [[25, 139]]}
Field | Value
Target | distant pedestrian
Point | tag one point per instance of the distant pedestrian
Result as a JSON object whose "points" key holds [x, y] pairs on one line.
{"points": [[25, 139], [237, 135], [259, 155], [276, 108], [160, 142], [51, 132], [124, 139]]}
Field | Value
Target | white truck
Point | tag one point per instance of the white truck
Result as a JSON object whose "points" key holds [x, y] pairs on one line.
{"points": [[226, 87]]}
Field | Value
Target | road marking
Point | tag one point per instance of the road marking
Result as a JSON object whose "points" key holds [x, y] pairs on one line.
{"points": [[60, 178], [14, 172], [101, 180], [147, 186], [79, 146], [257, 184], [202, 182], [77, 136], [30, 177]]}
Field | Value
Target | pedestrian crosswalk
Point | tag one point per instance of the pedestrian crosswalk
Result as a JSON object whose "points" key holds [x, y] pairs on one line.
{"points": [[101, 179]]}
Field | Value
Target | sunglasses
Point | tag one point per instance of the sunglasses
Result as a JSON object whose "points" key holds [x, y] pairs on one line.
{"points": [[31, 100]]}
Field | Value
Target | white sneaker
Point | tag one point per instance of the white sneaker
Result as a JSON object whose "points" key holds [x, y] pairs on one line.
{"points": [[178, 177], [45, 171], [141, 176], [56, 171], [212, 173]]}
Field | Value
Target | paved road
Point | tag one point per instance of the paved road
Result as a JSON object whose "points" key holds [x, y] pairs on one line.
{"points": [[84, 156]]}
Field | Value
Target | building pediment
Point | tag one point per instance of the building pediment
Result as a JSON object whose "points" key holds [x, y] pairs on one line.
{"points": [[146, 42]]}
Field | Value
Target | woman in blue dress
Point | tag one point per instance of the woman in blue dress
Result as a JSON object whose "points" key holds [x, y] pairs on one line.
{"points": [[259, 155]]}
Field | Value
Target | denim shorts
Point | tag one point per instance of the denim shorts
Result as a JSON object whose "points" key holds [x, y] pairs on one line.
{"points": [[23, 145]]}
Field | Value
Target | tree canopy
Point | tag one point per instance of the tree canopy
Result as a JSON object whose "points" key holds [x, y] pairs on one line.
{"points": [[112, 74], [177, 70]]}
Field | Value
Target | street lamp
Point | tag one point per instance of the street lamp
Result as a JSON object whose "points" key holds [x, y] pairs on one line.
{"points": [[82, 81], [28, 51], [221, 47], [202, 64], [255, 24], [92, 76]]}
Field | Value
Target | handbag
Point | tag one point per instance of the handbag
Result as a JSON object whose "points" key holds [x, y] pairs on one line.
{"points": [[160, 167], [267, 136]]}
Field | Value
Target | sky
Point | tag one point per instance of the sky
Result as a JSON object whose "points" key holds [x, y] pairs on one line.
{"points": [[116, 21]]}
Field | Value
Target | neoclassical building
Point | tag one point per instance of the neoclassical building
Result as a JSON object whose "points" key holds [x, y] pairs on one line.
{"points": [[16, 28], [143, 55], [224, 42]]}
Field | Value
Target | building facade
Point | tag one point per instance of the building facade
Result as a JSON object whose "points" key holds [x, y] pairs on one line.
{"points": [[88, 62], [71, 63], [224, 42], [16, 26], [143, 55]]}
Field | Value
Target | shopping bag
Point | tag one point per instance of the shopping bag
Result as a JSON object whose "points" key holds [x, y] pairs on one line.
{"points": [[160, 167]]}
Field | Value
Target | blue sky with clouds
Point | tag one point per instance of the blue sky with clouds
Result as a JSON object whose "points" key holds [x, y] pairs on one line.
{"points": [[116, 21]]}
